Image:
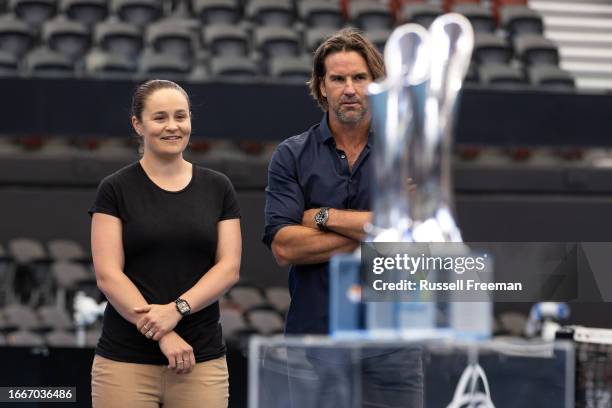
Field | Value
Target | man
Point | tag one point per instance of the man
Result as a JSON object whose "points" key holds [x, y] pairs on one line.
{"points": [[318, 194], [318, 202]]}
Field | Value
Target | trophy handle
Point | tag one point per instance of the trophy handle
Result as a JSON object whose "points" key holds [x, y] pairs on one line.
{"points": [[392, 101]]}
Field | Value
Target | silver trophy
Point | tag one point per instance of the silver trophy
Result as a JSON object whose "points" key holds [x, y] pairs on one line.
{"points": [[413, 111]]}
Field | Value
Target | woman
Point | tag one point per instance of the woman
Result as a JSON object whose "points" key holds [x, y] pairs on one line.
{"points": [[166, 245]]}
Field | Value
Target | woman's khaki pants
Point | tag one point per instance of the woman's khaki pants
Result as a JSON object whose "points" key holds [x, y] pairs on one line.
{"points": [[117, 384]]}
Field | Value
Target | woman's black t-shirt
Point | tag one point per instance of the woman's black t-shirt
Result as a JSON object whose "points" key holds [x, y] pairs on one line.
{"points": [[169, 242]]}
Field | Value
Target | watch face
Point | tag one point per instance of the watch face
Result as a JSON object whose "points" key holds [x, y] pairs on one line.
{"points": [[182, 306]]}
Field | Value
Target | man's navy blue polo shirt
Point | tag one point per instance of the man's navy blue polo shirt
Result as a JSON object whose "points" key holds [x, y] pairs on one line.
{"points": [[308, 171]]}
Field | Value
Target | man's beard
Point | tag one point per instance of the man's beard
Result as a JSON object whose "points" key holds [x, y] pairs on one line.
{"points": [[350, 116]]}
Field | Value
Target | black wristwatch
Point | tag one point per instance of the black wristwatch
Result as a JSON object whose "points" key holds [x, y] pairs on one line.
{"points": [[182, 306], [321, 218]]}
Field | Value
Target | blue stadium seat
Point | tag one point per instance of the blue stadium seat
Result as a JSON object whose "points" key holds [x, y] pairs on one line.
{"points": [[118, 37]]}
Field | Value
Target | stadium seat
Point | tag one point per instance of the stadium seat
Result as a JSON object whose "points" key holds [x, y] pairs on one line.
{"points": [[534, 49], [32, 273], [265, 321], [227, 40], [7, 265], [320, 13], [471, 76], [45, 62], [16, 37], [23, 338], [551, 77], [34, 12], [119, 38], [170, 38], [293, 68], [246, 296], [153, 63], [518, 20], [54, 318], [378, 37], [60, 338], [102, 64], [8, 66], [21, 317], [279, 297], [315, 36], [491, 49], [2, 340], [271, 12], [368, 15], [70, 38], [68, 275], [217, 11], [494, 74], [277, 41], [231, 321], [88, 12], [480, 17], [423, 14], [137, 12]]}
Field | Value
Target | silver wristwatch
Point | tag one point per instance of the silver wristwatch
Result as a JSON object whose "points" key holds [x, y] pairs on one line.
{"points": [[182, 306], [321, 218]]}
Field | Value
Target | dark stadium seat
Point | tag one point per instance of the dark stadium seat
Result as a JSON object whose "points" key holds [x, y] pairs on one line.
{"points": [[52, 317], [277, 41], [271, 12], [508, 75], [68, 277], [45, 62], [118, 37], [7, 264], [491, 49], [34, 12], [217, 11], [534, 49], [550, 77], [71, 38], [8, 67], [106, 65], [519, 20], [369, 15], [21, 317], [423, 14], [229, 40], [232, 321], [170, 37], [153, 63], [480, 17], [294, 68], [30, 256], [279, 297], [315, 36], [16, 37], [138, 12], [60, 338], [320, 13], [265, 321], [471, 76], [246, 296], [88, 12], [378, 37], [24, 338]]}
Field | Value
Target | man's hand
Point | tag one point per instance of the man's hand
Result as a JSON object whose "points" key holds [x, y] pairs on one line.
{"points": [[178, 352], [157, 320], [308, 218]]}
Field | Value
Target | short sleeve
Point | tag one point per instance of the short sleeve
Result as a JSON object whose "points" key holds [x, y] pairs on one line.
{"points": [[106, 200], [230, 209], [284, 196]]}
